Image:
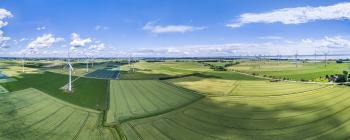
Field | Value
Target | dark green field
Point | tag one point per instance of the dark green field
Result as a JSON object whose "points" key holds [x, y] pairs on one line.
{"points": [[85, 95]]}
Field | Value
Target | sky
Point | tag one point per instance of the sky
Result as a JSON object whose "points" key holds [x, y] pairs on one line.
{"points": [[173, 28]]}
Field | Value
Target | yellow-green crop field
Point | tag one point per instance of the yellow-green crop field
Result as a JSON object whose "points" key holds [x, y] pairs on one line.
{"points": [[287, 69], [132, 99], [307, 112], [193, 103]]}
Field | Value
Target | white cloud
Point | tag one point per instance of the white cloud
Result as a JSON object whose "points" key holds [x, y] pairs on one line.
{"points": [[44, 41], [335, 45], [3, 39], [271, 37], [41, 28], [296, 15], [151, 27], [5, 13], [100, 28], [76, 41], [23, 39], [97, 47]]}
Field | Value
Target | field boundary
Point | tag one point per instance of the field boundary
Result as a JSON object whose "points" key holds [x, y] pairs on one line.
{"points": [[293, 81], [153, 114], [3, 90]]}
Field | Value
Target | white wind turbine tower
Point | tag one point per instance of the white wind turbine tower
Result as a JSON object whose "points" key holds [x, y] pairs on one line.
{"points": [[296, 58], [23, 56], [70, 67], [325, 58], [129, 61], [87, 63], [315, 56], [92, 61]]}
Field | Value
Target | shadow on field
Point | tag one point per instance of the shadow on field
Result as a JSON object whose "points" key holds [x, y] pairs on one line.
{"points": [[285, 121], [84, 94], [211, 118], [13, 125]]}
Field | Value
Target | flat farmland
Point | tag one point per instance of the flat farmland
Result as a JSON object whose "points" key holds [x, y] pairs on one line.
{"points": [[131, 99], [322, 113], [287, 69], [223, 87], [84, 95], [30, 113]]}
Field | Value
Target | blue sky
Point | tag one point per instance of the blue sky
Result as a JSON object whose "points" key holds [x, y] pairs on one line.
{"points": [[170, 27]]}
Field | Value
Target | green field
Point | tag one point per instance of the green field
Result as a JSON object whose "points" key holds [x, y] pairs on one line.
{"points": [[31, 114], [3, 90], [174, 100], [311, 112], [51, 83], [286, 69], [131, 99]]}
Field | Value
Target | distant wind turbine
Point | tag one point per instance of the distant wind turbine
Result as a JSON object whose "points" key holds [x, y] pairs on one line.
{"points": [[24, 55], [296, 58], [70, 67]]}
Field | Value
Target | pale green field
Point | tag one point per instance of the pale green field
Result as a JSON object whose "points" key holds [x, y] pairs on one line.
{"points": [[208, 105], [222, 87], [132, 99], [303, 71], [31, 114]]}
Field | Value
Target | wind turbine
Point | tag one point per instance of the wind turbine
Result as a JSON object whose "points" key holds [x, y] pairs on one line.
{"points": [[87, 64], [24, 55], [315, 55], [92, 61], [70, 67], [296, 58], [325, 59]]}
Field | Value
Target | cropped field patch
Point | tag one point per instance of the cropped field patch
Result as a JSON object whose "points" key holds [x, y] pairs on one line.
{"points": [[32, 114], [131, 99], [3, 90], [321, 113], [90, 93]]}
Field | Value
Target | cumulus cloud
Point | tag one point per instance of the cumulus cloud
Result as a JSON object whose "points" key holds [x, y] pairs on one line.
{"points": [[271, 37], [4, 14], [298, 15], [41, 42], [44, 41], [23, 39], [335, 44], [77, 42], [153, 28], [41, 28], [3, 39], [97, 46], [100, 28]]}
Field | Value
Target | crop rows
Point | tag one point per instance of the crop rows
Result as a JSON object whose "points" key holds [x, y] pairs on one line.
{"points": [[3, 90], [307, 111], [31, 114], [130, 99]]}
